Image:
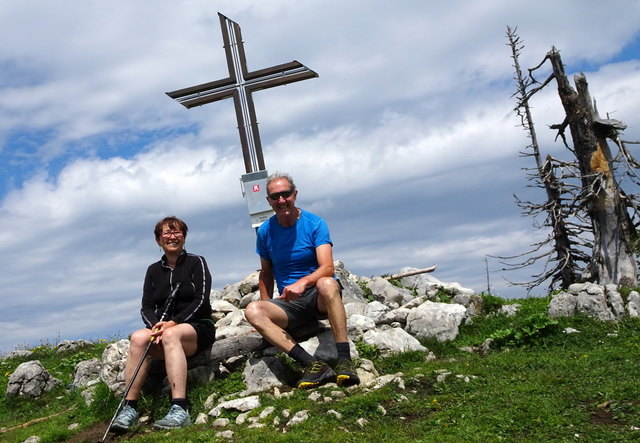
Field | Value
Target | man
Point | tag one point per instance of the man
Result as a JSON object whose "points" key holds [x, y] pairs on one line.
{"points": [[295, 248]]}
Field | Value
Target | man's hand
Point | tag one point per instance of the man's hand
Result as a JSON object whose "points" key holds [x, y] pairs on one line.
{"points": [[293, 291]]}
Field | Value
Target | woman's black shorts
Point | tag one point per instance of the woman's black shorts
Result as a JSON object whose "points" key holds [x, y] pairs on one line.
{"points": [[206, 332]]}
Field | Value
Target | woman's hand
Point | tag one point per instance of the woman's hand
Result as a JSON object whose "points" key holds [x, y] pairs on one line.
{"points": [[159, 328]]}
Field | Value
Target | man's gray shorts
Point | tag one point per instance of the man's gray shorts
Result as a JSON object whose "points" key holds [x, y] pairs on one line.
{"points": [[304, 309]]}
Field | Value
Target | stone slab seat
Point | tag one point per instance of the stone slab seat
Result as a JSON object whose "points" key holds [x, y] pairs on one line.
{"points": [[208, 360]]}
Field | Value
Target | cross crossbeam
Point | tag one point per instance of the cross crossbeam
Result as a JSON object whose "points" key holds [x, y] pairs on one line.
{"points": [[239, 85]]}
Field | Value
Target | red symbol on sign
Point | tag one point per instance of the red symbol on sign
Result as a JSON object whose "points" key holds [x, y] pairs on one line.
{"points": [[256, 188]]}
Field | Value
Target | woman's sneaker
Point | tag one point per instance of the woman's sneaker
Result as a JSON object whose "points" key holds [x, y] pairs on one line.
{"points": [[175, 418], [126, 419]]}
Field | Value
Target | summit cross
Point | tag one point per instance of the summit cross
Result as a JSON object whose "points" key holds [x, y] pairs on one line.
{"points": [[240, 84]]}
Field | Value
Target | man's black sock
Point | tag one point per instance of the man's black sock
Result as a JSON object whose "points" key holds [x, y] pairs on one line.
{"points": [[343, 351], [300, 355]]}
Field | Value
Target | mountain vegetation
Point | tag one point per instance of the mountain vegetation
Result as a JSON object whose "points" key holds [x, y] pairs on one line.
{"points": [[566, 379]]}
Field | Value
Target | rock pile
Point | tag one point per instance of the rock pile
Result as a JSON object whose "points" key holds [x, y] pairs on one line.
{"points": [[602, 302], [380, 314]]}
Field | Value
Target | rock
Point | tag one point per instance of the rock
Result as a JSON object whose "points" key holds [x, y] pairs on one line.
{"points": [[594, 305], [602, 302], [355, 308], [223, 306], [376, 311], [87, 373], [246, 299], [422, 284], [227, 435], [298, 418], [243, 404], [615, 302], [358, 324], [562, 305], [220, 422], [389, 378], [201, 419], [435, 320], [367, 372], [30, 379], [249, 284], [231, 294], [351, 291], [473, 303], [392, 341], [509, 310], [232, 331], [262, 374], [387, 293], [17, 353], [399, 315], [72, 345], [113, 363], [633, 304]]}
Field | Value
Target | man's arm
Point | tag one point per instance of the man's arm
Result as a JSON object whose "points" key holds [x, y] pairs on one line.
{"points": [[324, 254], [265, 279]]}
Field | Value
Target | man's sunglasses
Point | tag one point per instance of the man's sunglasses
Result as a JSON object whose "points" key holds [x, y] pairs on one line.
{"points": [[284, 194]]}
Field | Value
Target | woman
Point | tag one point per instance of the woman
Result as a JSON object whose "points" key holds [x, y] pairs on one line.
{"points": [[186, 328]]}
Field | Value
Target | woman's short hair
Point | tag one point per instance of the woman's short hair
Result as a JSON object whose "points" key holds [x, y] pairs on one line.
{"points": [[174, 223]]}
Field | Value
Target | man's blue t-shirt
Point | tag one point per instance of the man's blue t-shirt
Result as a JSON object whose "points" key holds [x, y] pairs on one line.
{"points": [[292, 250]]}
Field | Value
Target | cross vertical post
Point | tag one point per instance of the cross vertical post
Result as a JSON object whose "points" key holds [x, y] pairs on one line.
{"points": [[240, 85]]}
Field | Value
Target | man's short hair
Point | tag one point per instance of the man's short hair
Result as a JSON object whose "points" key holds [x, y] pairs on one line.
{"points": [[276, 175]]}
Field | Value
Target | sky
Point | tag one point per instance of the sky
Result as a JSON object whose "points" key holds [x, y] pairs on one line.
{"points": [[406, 143]]}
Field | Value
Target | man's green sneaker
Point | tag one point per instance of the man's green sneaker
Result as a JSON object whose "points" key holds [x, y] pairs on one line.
{"points": [[316, 373], [346, 374]]}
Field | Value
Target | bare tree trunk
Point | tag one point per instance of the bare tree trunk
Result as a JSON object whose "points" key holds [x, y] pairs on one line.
{"points": [[565, 271], [567, 266], [612, 258]]}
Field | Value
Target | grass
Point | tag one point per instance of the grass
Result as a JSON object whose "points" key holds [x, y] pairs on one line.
{"points": [[550, 386]]}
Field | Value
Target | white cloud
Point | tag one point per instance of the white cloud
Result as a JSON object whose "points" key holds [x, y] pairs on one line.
{"points": [[406, 143]]}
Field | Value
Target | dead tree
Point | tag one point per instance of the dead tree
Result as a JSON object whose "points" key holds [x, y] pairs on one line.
{"points": [[613, 258], [594, 216], [559, 250], [563, 249]]}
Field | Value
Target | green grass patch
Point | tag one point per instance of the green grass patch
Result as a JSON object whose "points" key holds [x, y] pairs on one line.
{"points": [[540, 384]]}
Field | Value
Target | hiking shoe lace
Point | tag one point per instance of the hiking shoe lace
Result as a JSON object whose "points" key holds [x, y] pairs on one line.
{"points": [[175, 418], [127, 418], [346, 374], [316, 373]]}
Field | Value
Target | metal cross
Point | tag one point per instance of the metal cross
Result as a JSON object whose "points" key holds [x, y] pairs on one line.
{"points": [[240, 85]]}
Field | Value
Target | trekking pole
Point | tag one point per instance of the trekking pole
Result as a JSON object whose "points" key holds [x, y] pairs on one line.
{"points": [[170, 300]]}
